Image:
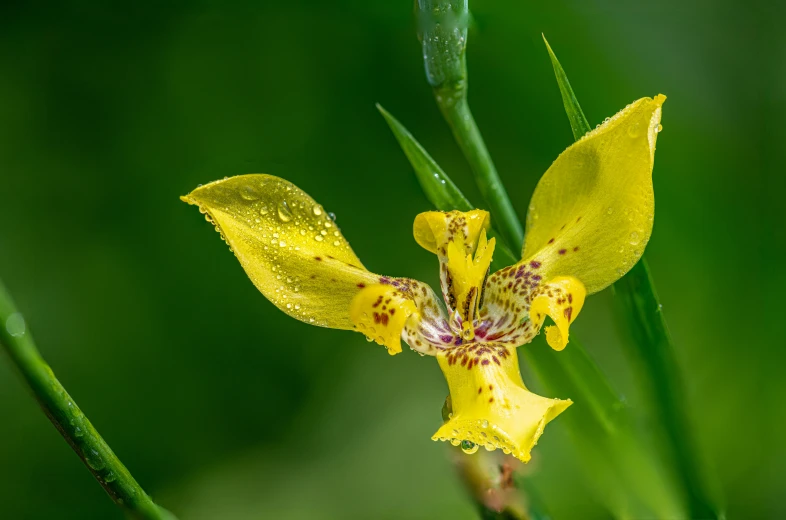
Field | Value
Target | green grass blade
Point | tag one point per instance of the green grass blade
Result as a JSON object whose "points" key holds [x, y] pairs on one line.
{"points": [[440, 190], [69, 420], [578, 122], [652, 350]]}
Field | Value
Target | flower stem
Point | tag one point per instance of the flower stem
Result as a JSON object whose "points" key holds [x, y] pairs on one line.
{"points": [[443, 34], [653, 351], [69, 420]]}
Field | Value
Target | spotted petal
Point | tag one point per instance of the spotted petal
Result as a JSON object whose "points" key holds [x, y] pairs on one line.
{"points": [[297, 257], [518, 300], [491, 406], [592, 212]]}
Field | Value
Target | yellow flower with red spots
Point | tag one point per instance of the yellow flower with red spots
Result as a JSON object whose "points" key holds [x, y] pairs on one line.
{"points": [[588, 223]]}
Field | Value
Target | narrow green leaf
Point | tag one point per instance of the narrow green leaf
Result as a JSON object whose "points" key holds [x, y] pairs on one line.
{"points": [[578, 122], [438, 187], [652, 350], [654, 353]]}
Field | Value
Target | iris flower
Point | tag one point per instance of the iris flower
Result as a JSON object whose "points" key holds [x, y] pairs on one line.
{"points": [[588, 222]]}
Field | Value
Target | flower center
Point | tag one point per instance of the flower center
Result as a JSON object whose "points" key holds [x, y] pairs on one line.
{"points": [[466, 279]]}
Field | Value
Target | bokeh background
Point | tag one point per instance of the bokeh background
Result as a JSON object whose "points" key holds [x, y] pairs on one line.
{"points": [[225, 408]]}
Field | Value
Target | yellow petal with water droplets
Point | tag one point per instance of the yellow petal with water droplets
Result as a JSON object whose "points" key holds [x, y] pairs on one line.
{"points": [[561, 299], [592, 212], [380, 311], [288, 245], [491, 406]]}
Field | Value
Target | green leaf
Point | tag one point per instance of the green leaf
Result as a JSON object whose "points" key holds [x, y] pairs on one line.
{"points": [[578, 122], [438, 187]]}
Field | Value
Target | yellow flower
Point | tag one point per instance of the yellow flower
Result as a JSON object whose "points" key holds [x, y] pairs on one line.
{"points": [[588, 222]]}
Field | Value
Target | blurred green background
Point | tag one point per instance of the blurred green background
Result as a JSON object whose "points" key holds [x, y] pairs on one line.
{"points": [[222, 406]]}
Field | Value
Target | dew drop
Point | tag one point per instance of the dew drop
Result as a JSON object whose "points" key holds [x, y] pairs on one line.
{"points": [[282, 244], [284, 213], [249, 193], [468, 447], [317, 210], [484, 424], [318, 238], [634, 238], [263, 210], [609, 211], [15, 325], [332, 216], [336, 243], [659, 129]]}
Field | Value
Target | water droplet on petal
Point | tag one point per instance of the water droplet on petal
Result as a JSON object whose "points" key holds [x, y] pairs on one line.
{"points": [[610, 211], [468, 447], [284, 213], [318, 238], [249, 193], [317, 210], [332, 216]]}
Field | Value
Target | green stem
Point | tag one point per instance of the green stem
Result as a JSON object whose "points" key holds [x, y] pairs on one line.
{"points": [[443, 34], [653, 351], [69, 420]]}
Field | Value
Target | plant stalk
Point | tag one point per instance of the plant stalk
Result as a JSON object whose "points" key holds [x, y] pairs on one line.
{"points": [[443, 35], [69, 420]]}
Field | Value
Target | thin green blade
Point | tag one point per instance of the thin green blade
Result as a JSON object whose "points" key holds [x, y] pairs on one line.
{"points": [[578, 122], [438, 187]]}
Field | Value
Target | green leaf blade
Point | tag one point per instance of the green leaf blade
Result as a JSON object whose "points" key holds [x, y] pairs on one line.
{"points": [[440, 190], [578, 121]]}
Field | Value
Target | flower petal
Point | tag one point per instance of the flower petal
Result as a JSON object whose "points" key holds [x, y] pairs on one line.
{"points": [[433, 230], [382, 312], [518, 300], [491, 406], [561, 299], [591, 214], [288, 245]]}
